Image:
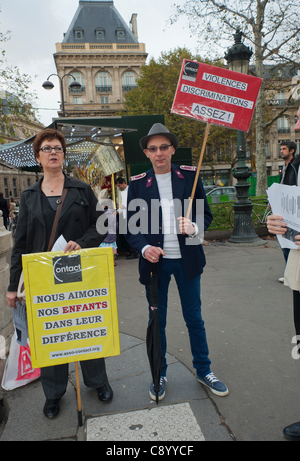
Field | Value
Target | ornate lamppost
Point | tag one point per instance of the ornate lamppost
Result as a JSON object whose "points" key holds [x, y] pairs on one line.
{"points": [[238, 57], [75, 85]]}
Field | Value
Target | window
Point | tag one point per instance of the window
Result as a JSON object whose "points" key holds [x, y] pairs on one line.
{"points": [[77, 100], [283, 125], [5, 188], [80, 78], [120, 34], [28, 182], [100, 33], [281, 98], [104, 99], [128, 81], [103, 82], [78, 33], [15, 187]]}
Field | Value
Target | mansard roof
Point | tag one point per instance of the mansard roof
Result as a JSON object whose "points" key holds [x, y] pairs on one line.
{"points": [[98, 21]]}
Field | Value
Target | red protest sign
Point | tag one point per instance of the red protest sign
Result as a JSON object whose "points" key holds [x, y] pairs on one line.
{"points": [[215, 95]]}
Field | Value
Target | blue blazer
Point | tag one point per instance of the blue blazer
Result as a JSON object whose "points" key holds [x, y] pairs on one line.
{"points": [[147, 211]]}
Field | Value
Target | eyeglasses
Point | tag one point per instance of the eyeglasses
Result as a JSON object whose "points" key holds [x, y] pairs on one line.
{"points": [[162, 148], [48, 149]]}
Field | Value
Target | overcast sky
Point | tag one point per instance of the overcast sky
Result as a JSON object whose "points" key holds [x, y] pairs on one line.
{"points": [[36, 25]]}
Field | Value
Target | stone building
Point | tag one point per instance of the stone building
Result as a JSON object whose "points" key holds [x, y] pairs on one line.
{"points": [[103, 53]]}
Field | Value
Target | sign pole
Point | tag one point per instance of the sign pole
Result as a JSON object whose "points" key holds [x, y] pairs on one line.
{"points": [[78, 395], [198, 170]]}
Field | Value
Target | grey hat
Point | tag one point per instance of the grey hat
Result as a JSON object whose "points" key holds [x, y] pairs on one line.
{"points": [[159, 130]]}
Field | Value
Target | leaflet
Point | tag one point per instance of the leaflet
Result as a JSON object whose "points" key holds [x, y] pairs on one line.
{"points": [[285, 202]]}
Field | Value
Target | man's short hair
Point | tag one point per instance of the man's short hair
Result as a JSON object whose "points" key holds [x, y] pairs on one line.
{"points": [[120, 180], [291, 145]]}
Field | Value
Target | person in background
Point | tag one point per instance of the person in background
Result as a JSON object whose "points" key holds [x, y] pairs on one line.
{"points": [[111, 238], [12, 207], [277, 226], [123, 188], [77, 223], [4, 208]]}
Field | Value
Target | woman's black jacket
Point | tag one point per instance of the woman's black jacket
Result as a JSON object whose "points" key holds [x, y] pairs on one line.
{"points": [[77, 222]]}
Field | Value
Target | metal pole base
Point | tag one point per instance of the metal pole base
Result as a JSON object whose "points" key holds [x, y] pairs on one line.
{"points": [[243, 231]]}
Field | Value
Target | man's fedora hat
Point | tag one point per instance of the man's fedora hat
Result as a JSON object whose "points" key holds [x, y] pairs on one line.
{"points": [[159, 130]]}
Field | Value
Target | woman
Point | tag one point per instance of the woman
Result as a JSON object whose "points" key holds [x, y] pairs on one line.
{"points": [[12, 208], [77, 223]]}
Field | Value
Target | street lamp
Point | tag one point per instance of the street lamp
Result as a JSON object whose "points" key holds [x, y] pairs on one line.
{"points": [[75, 85], [238, 57]]}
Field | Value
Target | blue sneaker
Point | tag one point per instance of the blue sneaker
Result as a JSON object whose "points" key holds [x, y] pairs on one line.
{"points": [[161, 392], [214, 384]]}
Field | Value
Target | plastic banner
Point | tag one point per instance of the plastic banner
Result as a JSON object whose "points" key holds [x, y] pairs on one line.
{"points": [[216, 95], [71, 306]]}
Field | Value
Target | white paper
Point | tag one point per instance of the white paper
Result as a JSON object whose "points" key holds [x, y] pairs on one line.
{"points": [[60, 244], [285, 202]]}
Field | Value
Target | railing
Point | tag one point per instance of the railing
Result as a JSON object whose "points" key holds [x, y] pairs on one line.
{"points": [[103, 89]]}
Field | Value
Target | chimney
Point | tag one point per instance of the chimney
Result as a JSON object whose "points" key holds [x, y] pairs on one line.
{"points": [[133, 22]]}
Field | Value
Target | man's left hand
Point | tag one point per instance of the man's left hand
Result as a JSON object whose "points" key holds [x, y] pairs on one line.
{"points": [[185, 226]]}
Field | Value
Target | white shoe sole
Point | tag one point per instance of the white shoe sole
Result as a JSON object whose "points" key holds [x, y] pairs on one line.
{"points": [[220, 394]]}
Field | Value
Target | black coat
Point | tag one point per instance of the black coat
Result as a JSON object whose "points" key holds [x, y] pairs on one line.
{"points": [[77, 222], [291, 174], [145, 187]]}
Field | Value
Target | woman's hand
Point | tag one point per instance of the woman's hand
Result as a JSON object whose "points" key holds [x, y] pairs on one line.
{"points": [[72, 246], [276, 225], [297, 241], [12, 298]]}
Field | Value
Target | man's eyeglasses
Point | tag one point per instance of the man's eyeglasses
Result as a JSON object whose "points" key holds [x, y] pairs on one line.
{"points": [[48, 149], [162, 148]]}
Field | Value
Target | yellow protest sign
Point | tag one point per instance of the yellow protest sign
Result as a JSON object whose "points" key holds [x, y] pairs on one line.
{"points": [[71, 306]]}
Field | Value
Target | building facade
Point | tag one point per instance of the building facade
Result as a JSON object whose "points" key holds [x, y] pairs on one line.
{"points": [[103, 53]]}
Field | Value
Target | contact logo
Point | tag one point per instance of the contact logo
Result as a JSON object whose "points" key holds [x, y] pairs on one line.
{"points": [[67, 269], [190, 71]]}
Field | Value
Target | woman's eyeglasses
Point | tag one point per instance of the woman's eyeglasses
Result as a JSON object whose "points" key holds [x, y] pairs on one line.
{"points": [[48, 149]]}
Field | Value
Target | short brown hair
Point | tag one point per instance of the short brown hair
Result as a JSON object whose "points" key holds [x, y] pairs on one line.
{"points": [[48, 134]]}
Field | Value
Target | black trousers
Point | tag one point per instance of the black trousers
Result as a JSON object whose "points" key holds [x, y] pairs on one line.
{"points": [[296, 299], [55, 379]]}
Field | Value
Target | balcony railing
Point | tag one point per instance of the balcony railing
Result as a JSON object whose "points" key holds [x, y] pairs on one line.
{"points": [[282, 102], [103, 89], [126, 88], [79, 90]]}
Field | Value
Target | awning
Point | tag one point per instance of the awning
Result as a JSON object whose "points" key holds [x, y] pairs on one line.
{"points": [[87, 140]]}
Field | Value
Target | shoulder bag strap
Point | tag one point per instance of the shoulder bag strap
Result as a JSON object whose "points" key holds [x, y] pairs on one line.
{"points": [[55, 222]]}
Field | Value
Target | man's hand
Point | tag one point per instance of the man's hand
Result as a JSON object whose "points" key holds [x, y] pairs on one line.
{"points": [[186, 226], [152, 254]]}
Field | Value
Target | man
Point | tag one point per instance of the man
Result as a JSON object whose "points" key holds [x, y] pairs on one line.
{"points": [[291, 164], [175, 247], [4, 209], [123, 188]]}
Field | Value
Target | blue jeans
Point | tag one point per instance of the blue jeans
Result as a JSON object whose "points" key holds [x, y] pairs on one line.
{"points": [[189, 293]]}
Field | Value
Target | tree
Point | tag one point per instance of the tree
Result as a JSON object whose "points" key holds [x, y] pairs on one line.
{"points": [[270, 26], [16, 101], [155, 94]]}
